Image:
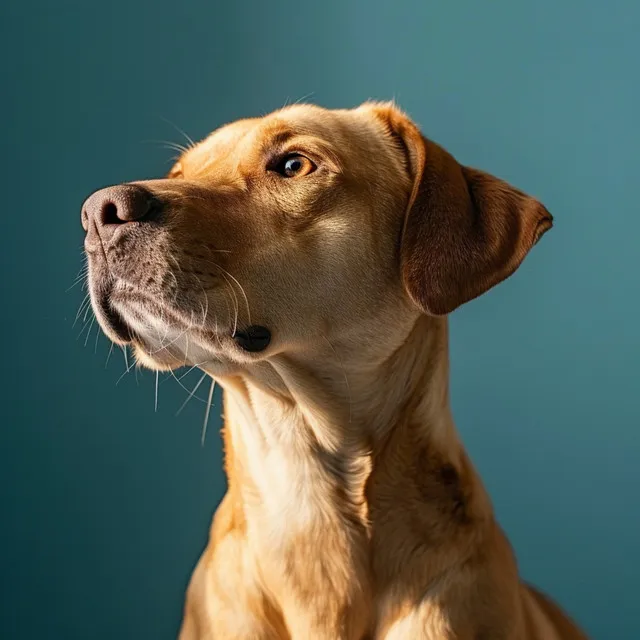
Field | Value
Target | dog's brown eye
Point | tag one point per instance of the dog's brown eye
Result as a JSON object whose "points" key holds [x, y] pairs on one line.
{"points": [[295, 166]]}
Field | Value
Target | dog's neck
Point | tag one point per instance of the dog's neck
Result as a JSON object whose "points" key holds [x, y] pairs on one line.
{"points": [[313, 422]]}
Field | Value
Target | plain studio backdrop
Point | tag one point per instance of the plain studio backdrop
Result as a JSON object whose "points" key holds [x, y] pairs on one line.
{"points": [[105, 502]]}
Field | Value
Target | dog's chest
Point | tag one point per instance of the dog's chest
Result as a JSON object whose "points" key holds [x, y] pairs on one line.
{"points": [[293, 493], [295, 489]]}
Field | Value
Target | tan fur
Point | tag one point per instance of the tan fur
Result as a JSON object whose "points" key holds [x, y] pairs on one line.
{"points": [[352, 509]]}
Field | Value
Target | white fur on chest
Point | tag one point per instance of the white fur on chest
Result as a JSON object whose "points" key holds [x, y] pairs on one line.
{"points": [[293, 490]]}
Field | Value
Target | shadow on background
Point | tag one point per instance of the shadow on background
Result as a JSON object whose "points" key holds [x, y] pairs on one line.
{"points": [[106, 503]]}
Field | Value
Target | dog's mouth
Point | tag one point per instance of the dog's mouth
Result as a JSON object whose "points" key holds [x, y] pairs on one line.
{"points": [[130, 316], [167, 326]]}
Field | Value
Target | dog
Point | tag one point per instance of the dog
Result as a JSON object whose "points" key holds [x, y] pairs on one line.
{"points": [[307, 261]]}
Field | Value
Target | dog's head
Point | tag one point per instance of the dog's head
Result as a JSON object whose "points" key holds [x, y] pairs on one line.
{"points": [[302, 225]]}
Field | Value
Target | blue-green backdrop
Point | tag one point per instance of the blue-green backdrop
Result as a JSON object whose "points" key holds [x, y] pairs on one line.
{"points": [[105, 503]]}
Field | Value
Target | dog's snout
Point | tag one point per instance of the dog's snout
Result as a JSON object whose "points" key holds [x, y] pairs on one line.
{"points": [[108, 208]]}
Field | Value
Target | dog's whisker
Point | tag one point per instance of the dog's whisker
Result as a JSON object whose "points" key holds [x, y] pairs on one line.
{"points": [[181, 132], [206, 305], [225, 274], [175, 147], [175, 281], [305, 97], [83, 305], [173, 375], [236, 305], [86, 324], [226, 301], [84, 319], [203, 313], [171, 256], [166, 327], [204, 308], [244, 295], [189, 370], [168, 144], [217, 334], [81, 308], [191, 394], [127, 370], [155, 407], [93, 319], [106, 364], [184, 374], [208, 411], [78, 280], [186, 349], [163, 346]]}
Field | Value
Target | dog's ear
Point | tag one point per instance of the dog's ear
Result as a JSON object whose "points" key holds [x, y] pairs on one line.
{"points": [[464, 230]]}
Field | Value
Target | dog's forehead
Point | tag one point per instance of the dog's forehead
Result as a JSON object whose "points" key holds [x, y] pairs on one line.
{"points": [[249, 136]]}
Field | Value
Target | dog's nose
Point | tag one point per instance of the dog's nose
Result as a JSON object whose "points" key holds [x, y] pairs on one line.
{"points": [[108, 208]]}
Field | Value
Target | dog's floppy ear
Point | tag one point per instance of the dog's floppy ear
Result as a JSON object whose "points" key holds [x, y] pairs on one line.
{"points": [[464, 230]]}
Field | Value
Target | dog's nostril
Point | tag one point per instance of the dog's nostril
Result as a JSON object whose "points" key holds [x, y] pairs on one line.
{"points": [[110, 214]]}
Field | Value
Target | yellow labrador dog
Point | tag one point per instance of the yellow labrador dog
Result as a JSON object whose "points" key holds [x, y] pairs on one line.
{"points": [[307, 261]]}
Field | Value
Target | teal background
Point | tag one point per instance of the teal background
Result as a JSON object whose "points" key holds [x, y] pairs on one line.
{"points": [[105, 504]]}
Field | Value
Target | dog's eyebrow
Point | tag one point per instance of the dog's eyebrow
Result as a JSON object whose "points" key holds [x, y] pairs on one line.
{"points": [[273, 144], [281, 138]]}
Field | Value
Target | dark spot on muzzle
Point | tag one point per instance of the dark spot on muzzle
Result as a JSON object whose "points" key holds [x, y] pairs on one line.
{"points": [[253, 339]]}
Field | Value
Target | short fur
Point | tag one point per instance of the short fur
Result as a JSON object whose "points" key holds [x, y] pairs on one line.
{"points": [[352, 509]]}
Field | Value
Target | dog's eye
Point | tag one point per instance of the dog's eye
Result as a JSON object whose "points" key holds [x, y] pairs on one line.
{"points": [[295, 166]]}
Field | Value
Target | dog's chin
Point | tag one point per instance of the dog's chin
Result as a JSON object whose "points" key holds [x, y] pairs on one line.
{"points": [[161, 344], [216, 368]]}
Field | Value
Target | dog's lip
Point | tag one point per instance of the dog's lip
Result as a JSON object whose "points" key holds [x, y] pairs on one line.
{"points": [[115, 323], [109, 319]]}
